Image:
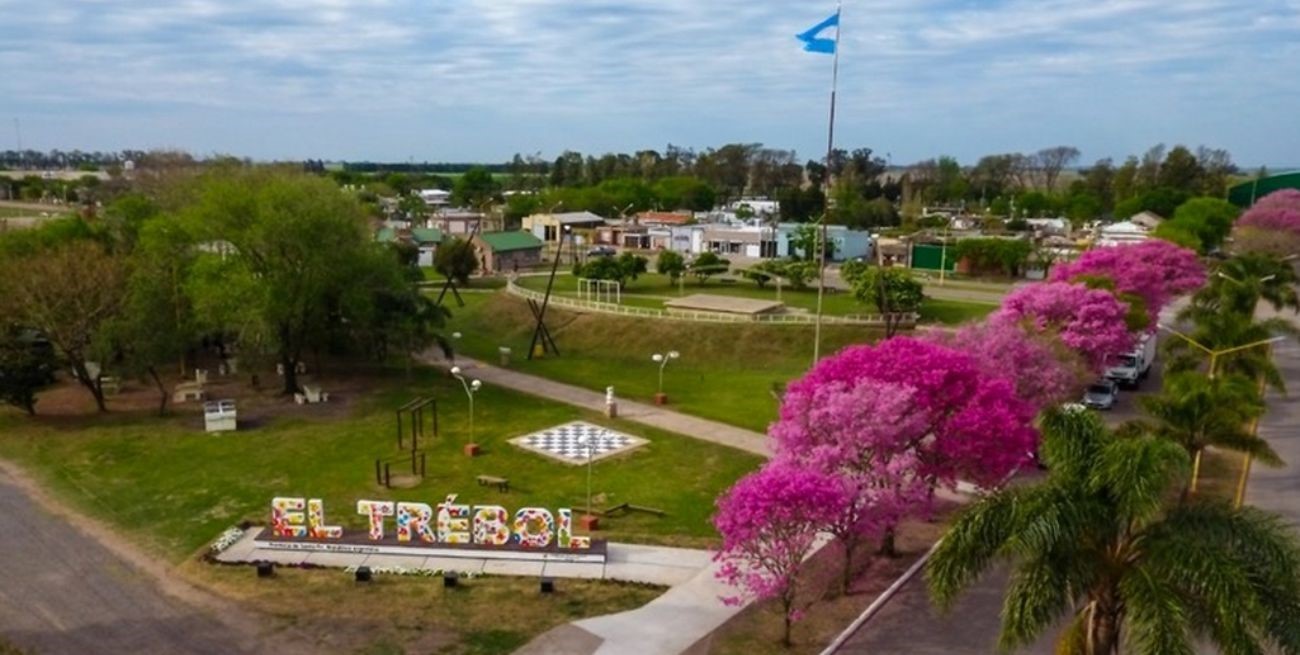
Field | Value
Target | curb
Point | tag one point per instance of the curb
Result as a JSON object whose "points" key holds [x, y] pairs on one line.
{"points": [[884, 597]]}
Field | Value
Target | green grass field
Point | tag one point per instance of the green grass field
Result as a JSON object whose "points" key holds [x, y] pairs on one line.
{"points": [[651, 290], [726, 371], [173, 488]]}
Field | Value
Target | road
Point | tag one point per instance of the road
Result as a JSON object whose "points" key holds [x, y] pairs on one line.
{"points": [[909, 623], [61, 591]]}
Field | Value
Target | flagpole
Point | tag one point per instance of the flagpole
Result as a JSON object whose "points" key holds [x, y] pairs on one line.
{"points": [[830, 150]]}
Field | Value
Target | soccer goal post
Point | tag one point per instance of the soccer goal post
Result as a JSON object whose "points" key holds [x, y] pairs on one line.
{"points": [[602, 291]]}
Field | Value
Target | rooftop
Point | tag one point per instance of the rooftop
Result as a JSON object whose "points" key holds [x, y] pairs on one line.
{"points": [[704, 302], [427, 235], [508, 241]]}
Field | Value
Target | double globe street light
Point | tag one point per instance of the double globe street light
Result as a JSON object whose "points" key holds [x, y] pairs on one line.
{"points": [[471, 387], [662, 360]]}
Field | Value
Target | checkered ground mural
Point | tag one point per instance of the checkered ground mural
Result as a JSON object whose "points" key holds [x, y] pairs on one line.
{"points": [[568, 443]]}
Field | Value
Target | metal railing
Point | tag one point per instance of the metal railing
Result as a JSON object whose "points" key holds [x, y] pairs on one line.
{"points": [[696, 316]]}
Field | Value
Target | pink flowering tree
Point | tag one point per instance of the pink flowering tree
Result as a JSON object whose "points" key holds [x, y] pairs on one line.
{"points": [[1042, 371], [769, 521], [1088, 321], [947, 384], [1272, 225], [900, 419], [1156, 271], [865, 433]]}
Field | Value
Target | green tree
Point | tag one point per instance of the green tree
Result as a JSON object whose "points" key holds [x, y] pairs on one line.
{"points": [[1197, 412], [707, 265], [892, 291], [670, 263], [1223, 330], [26, 365], [1209, 220], [806, 240], [455, 259], [68, 293], [1101, 538], [626, 266], [288, 261], [157, 326], [475, 187]]}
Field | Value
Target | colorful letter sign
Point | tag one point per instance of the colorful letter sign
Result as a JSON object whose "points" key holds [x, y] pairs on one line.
{"points": [[447, 523]]}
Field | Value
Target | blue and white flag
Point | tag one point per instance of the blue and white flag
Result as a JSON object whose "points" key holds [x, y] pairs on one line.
{"points": [[812, 42]]}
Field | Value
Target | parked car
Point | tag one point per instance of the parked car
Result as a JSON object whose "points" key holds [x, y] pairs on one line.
{"points": [[1101, 394], [602, 251], [1134, 367]]}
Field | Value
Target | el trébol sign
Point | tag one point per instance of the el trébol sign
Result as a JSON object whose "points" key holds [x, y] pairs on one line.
{"points": [[448, 529]]}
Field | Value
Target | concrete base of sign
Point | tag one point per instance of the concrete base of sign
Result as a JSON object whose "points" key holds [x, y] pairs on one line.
{"points": [[589, 523], [625, 562], [471, 450], [661, 398]]}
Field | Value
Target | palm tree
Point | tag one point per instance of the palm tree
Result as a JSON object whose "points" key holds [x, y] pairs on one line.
{"points": [[1196, 412], [1102, 540], [1240, 283], [1223, 330]]}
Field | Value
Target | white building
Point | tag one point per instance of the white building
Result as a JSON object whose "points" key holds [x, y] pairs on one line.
{"points": [[1122, 233], [434, 197], [759, 206]]}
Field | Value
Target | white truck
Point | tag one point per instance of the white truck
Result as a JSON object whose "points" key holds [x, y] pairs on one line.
{"points": [[1134, 366]]}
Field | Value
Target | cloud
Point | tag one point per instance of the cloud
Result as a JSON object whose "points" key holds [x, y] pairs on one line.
{"points": [[484, 79]]}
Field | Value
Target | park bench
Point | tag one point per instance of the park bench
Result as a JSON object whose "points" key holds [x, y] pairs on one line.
{"points": [[188, 391], [502, 484], [110, 385], [311, 394]]}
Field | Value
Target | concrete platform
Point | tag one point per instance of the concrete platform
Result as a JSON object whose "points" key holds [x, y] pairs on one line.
{"points": [[704, 302], [627, 562]]}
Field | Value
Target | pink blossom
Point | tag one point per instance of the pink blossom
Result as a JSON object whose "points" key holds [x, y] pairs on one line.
{"points": [[1155, 270], [1278, 212], [1042, 371], [943, 382], [768, 521], [1088, 321]]}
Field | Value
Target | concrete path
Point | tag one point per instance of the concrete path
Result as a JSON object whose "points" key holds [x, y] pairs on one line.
{"points": [[657, 565], [62, 591], [1278, 489], [655, 417]]}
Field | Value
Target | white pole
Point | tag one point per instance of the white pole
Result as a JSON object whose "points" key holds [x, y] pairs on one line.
{"points": [[830, 150]]}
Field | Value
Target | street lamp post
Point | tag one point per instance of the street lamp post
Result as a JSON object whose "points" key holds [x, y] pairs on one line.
{"points": [[1214, 362], [589, 521], [471, 387], [662, 360]]}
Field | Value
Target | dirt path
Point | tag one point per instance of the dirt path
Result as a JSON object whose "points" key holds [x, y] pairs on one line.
{"points": [[69, 585]]}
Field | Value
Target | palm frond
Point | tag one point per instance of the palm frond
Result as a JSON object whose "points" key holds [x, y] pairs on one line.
{"points": [[1137, 475], [970, 545], [1157, 622], [1037, 596]]}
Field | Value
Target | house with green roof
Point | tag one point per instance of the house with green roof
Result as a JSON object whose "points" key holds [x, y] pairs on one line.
{"points": [[427, 240], [503, 252]]}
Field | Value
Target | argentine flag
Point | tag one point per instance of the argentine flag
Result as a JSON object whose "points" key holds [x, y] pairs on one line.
{"points": [[813, 42]]}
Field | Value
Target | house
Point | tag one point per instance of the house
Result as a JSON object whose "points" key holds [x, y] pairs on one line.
{"points": [[1050, 226], [663, 218], [500, 252], [455, 221], [386, 235], [766, 241], [434, 197], [1147, 219], [1122, 233], [427, 240], [548, 227], [757, 206]]}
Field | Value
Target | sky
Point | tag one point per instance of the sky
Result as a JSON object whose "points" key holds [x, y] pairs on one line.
{"points": [[473, 80]]}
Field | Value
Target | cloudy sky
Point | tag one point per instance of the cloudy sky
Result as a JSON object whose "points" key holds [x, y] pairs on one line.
{"points": [[477, 80]]}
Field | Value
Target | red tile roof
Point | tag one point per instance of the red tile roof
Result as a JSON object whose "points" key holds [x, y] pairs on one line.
{"points": [[663, 218]]}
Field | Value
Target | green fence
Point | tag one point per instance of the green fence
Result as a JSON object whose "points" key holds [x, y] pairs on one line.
{"points": [[1245, 194], [927, 257]]}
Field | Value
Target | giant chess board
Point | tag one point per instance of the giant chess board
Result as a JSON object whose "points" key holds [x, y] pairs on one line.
{"points": [[569, 443]]}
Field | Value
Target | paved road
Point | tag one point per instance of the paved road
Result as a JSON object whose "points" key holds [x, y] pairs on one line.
{"points": [[1278, 489], [62, 592]]}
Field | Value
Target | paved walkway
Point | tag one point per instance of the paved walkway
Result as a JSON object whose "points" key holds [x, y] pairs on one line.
{"points": [[655, 417]]}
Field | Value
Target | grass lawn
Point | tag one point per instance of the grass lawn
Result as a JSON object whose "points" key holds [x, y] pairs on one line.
{"points": [[431, 275], [166, 484], [651, 289], [726, 371], [482, 616]]}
